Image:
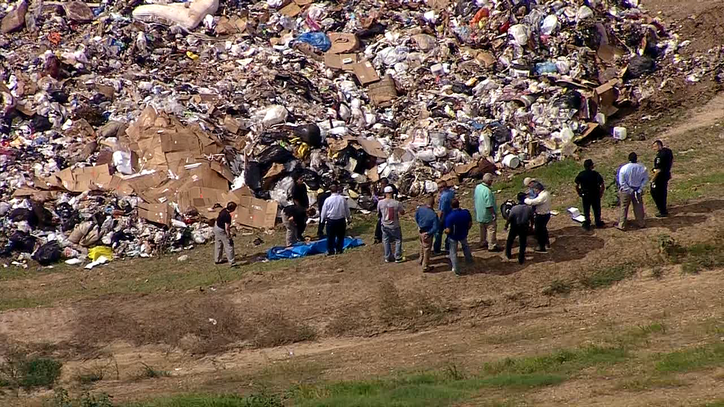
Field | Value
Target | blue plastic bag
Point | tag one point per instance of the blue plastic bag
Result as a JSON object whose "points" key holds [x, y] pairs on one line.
{"points": [[317, 40]]}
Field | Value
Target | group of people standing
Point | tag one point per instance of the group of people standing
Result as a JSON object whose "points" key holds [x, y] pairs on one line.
{"points": [[446, 225]]}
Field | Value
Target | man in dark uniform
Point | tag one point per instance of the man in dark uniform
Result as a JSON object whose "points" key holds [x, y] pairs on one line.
{"points": [[662, 174], [590, 187]]}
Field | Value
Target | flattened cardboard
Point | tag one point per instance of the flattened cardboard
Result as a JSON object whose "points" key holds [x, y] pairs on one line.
{"points": [[203, 199], [382, 93], [342, 43], [341, 61], [291, 10], [365, 72], [372, 147], [373, 174], [255, 213], [156, 213]]}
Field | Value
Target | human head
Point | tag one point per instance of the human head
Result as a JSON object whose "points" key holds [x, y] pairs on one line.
{"points": [[298, 178], [455, 204], [389, 191], [430, 201], [521, 197], [537, 186], [658, 145], [588, 164], [488, 179], [441, 185], [334, 188], [633, 157], [384, 182], [527, 181], [231, 206]]}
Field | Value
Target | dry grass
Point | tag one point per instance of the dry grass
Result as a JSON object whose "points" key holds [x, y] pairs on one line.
{"points": [[275, 329], [205, 325]]}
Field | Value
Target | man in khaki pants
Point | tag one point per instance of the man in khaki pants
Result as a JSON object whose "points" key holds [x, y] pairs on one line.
{"points": [[484, 201], [632, 178]]}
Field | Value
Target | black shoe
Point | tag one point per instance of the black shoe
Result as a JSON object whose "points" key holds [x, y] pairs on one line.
{"points": [[662, 215], [540, 250], [600, 225], [586, 227]]}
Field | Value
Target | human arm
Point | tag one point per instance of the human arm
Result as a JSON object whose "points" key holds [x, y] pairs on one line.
{"points": [[541, 198], [347, 214], [323, 213], [401, 208], [601, 185]]}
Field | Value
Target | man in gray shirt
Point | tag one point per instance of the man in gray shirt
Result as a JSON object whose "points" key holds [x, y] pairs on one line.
{"points": [[520, 220], [390, 211]]}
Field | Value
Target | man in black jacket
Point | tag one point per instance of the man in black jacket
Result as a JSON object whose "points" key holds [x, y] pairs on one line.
{"points": [[590, 187], [662, 174]]}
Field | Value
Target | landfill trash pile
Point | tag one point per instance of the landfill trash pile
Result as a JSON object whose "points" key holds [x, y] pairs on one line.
{"points": [[128, 125]]}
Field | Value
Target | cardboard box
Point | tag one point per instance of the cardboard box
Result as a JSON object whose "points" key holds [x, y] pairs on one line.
{"points": [[343, 43], [365, 72], [255, 213], [156, 213], [341, 61]]}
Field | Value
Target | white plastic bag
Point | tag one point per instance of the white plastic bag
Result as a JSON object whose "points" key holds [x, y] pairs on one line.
{"points": [[122, 162], [549, 25], [520, 34]]}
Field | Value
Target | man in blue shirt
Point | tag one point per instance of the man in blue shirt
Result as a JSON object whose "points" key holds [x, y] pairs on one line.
{"points": [[427, 225], [444, 208], [457, 226], [632, 178]]}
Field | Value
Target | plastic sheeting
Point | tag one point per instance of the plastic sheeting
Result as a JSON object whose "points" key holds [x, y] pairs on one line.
{"points": [[308, 249]]}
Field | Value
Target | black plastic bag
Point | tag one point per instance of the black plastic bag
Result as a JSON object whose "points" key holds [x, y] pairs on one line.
{"points": [[252, 175], [310, 134], [275, 154], [311, 178], [639, 66], [48, 253], [22, 242]]}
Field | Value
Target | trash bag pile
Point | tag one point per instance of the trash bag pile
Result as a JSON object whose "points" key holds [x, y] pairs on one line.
{"points": [[129, 125]]}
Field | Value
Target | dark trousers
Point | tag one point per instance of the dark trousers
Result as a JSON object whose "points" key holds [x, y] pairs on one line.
{"points": [[590, 202], [541, 230], [336, 229], [659, 192], [521, 232]]}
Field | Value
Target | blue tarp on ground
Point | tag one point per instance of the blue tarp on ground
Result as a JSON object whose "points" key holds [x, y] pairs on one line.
{"points": [[308, 249]]}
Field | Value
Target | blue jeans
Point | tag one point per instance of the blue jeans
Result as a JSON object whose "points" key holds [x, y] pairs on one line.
{"points": [[437, 245], [390, 235], [454, 253]]}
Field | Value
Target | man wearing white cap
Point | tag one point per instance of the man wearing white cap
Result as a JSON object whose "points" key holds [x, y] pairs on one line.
{"points": [[390, 210], [528, 183], [484, 201]]}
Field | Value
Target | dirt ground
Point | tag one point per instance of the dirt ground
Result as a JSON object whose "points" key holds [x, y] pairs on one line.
{"points": [[349, 317]]}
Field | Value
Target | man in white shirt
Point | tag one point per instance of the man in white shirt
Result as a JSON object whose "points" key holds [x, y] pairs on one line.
{"points": [[632, 178], [542, 206], [335, 212]]}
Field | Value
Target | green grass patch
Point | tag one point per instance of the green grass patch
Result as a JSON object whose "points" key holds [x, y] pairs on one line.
{"points": [[558, 287], [608, 276], [20, 371], [562, 361], [255, 400], [694, 258], [691, 359]]}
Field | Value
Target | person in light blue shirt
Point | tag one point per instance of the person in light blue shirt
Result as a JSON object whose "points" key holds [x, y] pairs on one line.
{"points": [[427, 225], [444, 208], [632, 178]]}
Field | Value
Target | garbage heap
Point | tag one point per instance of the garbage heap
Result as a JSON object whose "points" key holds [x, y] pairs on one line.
{"points": [[127, 125]]}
